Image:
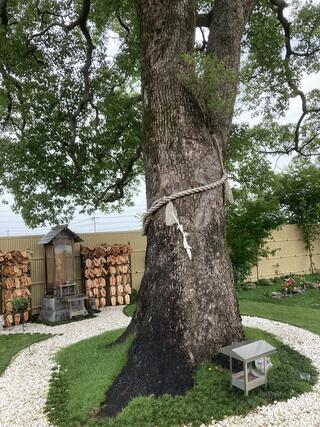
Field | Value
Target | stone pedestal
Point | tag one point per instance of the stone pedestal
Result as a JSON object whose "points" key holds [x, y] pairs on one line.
{"points": [[59, 309], [54, 310]]}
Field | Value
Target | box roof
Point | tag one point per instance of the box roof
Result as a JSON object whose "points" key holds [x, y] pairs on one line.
{"points": [[55, 231], [247, 351]]}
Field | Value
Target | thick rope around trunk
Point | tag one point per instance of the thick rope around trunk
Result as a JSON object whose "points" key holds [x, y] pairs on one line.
{"points": [[166, 199]]}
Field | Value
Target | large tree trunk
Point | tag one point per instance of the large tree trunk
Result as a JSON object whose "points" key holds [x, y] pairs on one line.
{"points": [[187, 309]]}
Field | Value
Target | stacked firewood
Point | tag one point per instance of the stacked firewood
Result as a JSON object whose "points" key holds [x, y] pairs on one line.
{"points": [[95, 279], [107, 274], [15, 284], [119, 274]]}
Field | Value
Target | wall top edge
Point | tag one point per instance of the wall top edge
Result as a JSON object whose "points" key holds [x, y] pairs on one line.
{"points": [[38, 236]]}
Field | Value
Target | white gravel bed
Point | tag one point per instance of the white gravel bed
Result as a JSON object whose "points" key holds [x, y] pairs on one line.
{"points": [[303, 410], [24, 384]]}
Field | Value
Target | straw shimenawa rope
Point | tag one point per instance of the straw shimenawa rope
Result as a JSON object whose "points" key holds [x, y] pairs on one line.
{"points": [[168, 199]]}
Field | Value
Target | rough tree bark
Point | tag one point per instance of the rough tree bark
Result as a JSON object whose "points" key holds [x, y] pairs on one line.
{"points": [[187, 309]]}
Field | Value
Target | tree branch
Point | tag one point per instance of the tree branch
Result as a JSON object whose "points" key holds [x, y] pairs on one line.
{"points": [[115, 191], [8, 77], [87, 98], [44, 31], [124, 26], [279, 6], [203, 46], [229, 19], [81, 21], [3, 12], [289, 151], [9, 107]]}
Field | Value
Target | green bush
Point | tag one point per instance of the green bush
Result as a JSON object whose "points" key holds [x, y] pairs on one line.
{"points": [[249, 224], [263, 282], [20, 304]]}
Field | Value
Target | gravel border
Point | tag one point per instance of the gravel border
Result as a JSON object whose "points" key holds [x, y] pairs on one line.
{"points": [[24, 385]]}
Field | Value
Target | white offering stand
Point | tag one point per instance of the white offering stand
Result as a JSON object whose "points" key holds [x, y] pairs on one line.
{"points": [[247, 352]]}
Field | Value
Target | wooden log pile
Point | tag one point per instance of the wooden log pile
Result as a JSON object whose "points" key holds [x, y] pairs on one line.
{"points": [[107, 274], [15, 274]]}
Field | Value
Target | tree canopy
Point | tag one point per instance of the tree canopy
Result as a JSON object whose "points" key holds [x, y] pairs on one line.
{"points": [[70, 104]]}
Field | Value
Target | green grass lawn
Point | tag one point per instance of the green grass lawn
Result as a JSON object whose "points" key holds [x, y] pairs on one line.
{"points": [[10, 345], [130, 309], [262, 294], [299, 310], [88, 368], [298, 316], [307, 318]]}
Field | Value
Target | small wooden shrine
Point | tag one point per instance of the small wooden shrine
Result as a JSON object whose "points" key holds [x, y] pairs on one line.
{"points": [[62, 299]]}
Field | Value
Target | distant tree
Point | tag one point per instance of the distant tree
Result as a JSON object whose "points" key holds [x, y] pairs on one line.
{"points": [[299, 196], [249, 224], [255, 212]]}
